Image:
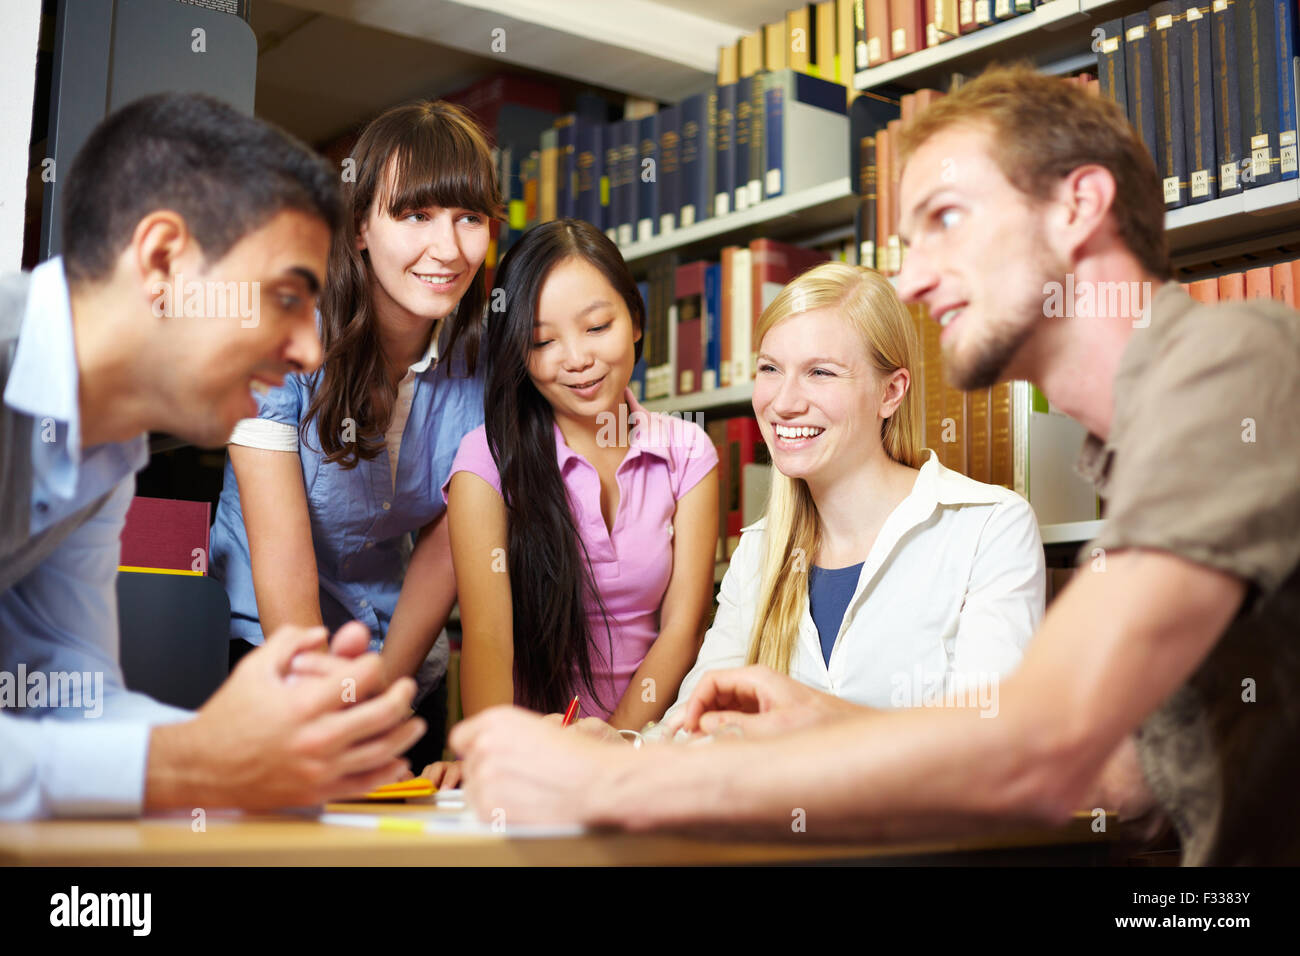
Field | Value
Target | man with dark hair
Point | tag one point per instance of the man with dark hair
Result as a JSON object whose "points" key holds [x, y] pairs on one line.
{"points": [[1161, 679], [197, 240]]}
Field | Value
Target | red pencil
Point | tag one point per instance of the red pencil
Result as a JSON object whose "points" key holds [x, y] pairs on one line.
{"points": [[570, 713]]}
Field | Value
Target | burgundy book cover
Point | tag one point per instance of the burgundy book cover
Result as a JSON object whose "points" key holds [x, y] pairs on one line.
{"points": [[166, 534], [689, 295], [775, 264]]}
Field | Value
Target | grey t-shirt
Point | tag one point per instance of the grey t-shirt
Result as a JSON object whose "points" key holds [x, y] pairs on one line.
{"points": [[1203, 461]]}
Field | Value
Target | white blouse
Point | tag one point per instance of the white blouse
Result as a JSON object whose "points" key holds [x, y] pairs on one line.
{"points": [[947, 599]]}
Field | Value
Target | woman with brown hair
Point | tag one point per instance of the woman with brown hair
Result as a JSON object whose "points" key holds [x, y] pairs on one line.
{"points": [[331, 499]]}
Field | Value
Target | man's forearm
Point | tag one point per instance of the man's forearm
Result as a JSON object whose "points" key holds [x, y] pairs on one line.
{"points": [[879, 776]]}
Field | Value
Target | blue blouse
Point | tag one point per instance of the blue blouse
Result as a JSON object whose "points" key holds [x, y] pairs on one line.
{"points": [[362, 529]]}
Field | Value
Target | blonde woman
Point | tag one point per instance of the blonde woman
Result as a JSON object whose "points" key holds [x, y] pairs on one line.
{"points": [[876, 575]]}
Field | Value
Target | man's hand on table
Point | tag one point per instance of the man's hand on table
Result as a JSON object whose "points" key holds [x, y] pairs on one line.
{"points": [[291, 726], [758, 702]]}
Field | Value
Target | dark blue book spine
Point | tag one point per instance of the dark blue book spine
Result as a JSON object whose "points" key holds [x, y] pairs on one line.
{"points": [[1228, 145], [1257, 84], [1166, 64], [670, 167], [1141, 82], [741, 145], [647, 179], [629, 164], [590, 169], [610, 134], [696, 164], [1198, 99], [713, 326], [774, 149], [1110, 64], [637, 383], [1286, 88], [724, 170], [757, 137]]}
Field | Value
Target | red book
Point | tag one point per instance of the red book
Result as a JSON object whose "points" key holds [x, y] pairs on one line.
{"points": [[745, 446], [878, 32], [1284, 279], [906, 27], [1204, 290], [1232, 287], [966, 15], [162, 534], [1259, 283], [689, 294]]}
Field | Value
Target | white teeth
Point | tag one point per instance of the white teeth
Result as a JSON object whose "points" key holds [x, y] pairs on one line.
{"points": [[948, 316], [803, 431]]}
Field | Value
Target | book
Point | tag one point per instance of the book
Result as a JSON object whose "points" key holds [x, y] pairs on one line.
{"points": [[798, 28], [647, 178], [695, 193], [589, 170], [1259, 283], [845, 44], [165, 534], [1232, 287], [823, 42], [906, 27], [1257, 84], [803, 109], [1166, 70], [879, 42], [757, 137], [724, 168], [691, 325], [670, 139], [611, 137], [745, 446], [727, 266], [1197, 79], [1285, 26], [547, 175], [741, 143], [1227, 98], [884, 196], [776, 46], [1140, 79], [566, 168], [712, 377], [717, 432], [1204, 290], [1285, 276]]}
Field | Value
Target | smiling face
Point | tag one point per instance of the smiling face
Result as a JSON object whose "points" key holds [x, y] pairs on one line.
{"points": [[818, 398], [583, 342], [977, 255], [421, 260], [262, 328]]}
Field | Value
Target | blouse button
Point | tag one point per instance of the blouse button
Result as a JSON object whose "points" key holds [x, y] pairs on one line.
{"points": [[365, 603], [387, 506]]}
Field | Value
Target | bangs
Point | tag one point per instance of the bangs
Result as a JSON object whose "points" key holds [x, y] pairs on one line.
{"points": [[439, 165]]}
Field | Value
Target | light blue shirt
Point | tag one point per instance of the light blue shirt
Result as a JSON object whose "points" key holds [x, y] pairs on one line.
{"points": [[362, 519], [61, 619]]}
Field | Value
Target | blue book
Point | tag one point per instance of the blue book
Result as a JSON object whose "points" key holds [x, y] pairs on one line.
{"points": [[670, 168], [802, 109], [712, 326], [637, 383], [589, 169], [724, 170], [610, 138], [647, 178], [1141, 82], [740, 144], [1286, 92], [696, 163], [1166, 66], [1228, 146], [1110, 64], [1197, 81]]}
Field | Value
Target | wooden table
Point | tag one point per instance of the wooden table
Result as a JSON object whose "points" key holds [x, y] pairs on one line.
{"points": [[300, 840]]}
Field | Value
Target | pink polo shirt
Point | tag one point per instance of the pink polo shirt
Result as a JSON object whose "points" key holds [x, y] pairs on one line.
{"points": [[632, 565]]}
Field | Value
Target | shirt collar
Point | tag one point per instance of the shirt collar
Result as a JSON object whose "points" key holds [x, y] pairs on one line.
{"points": [[431, 351], [43, 379], [644, 432]]}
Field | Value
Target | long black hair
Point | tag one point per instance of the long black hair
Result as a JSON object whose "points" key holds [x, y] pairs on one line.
{"points": [[550, 571]]}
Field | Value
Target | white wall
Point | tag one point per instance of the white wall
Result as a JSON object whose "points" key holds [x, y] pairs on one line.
{"points": [[18, 42]]}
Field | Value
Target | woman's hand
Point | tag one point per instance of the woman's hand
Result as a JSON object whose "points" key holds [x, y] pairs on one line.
{"points": [[445, 774]]}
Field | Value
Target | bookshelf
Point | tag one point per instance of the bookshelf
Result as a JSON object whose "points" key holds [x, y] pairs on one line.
{"points": [[799, 214]]}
